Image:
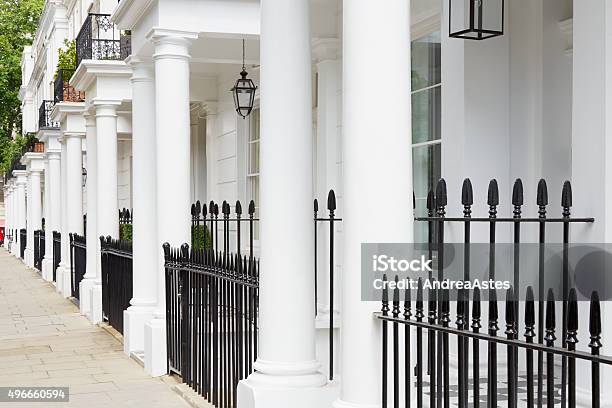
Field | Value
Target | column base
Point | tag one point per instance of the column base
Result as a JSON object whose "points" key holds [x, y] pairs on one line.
{"points": [[342, 404], [156, 360], [255, 393], [85, 295], [134, 320], [64, 281], [47, 269], [95, 303], [29, 257]]}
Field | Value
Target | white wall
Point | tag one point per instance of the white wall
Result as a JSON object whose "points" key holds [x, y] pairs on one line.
{"points": [[124, 174]]}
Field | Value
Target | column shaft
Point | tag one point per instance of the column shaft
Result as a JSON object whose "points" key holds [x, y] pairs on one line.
{"points": [[145, 247], [387, 181], [47, 271], [106, 174], [286, 195], [91, 234], [74, 192], [63, 273]]}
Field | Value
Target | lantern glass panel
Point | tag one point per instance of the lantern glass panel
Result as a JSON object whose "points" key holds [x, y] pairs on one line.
{"points": [[476, 19]]}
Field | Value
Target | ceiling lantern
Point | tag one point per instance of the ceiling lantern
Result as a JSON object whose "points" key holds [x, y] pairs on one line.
{"points": [[476, 19], [244, 91]]}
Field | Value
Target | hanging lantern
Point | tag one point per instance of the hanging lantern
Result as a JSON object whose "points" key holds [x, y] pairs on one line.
{"points": [[244, 91], [476, 19], [83, 176]]}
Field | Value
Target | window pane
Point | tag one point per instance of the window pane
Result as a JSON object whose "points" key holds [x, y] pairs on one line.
{"points": [[426, 168], [254, 131], [254, 157], [426, 61], [426, 115]]}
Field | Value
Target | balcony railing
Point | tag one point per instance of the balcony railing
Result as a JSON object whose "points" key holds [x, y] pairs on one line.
{"points": [[44, 115], [100, 39], [63, 90]]}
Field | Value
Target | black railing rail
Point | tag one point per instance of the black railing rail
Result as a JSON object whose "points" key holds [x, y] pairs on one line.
{"points": [[23, 233], [78, 262], [39, 248], [328, 223], [117, 285], [437, 319], [44, 115], [212, 301], [207, 223], [57, 252], [63, 91], [409, 314], [100, 39]]}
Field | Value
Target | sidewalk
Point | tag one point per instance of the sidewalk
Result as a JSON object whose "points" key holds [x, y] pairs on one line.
{"points": [[44, 341]]}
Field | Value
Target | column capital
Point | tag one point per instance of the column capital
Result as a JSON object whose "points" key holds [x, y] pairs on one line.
{"points": [[142, 69], [71, 135], [106, 107], [53, 154], [171, 44]]}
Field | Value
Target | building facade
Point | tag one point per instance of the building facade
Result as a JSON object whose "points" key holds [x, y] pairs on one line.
{"points": [[371, 99]]}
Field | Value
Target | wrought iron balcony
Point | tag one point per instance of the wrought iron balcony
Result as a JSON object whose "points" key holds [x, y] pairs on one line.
{"points": [[63, 90], [100, 39], [44, 115]]}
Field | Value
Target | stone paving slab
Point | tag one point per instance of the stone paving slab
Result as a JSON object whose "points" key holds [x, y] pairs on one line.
{"points": [[44, 341]]}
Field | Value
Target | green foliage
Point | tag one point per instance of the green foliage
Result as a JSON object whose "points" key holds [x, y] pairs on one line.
{"points": [[10, 149], [66, 56], [125, 232], [18, 21], [201, 238]]}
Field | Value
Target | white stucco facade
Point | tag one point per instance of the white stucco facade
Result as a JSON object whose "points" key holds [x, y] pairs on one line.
{"points": [[334, 109]]}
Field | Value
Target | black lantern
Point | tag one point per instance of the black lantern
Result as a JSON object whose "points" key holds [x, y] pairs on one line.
{"points": [[244, 91], [84, 175], [476, 19]]}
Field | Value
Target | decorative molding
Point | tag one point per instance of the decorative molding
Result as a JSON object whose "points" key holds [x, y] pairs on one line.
{"points": [[567, 30], [129, 12]]}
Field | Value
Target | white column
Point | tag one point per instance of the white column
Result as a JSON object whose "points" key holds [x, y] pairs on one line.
{"points": [[29, 251], [287, 372], [63, 277], [35, 212], [172, 137], [47, 263], [91, 235], [107, 217], [591, 150], [388, 179], [145, 241], [328, 85], [21, 205], [55, 194]]}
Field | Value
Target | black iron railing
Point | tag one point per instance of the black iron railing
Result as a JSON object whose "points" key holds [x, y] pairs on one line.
{"points": [[63, 91], [212, 301], [432, 369], [100, 39], [23, 233], [57, 252], [39, 248], [125, 216], [78, 262], [44, 115], [327, 223], [117, 284], [207, 224]]}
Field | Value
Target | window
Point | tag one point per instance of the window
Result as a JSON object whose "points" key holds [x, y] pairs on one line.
{"points": [[426, 122], [253, 164]]}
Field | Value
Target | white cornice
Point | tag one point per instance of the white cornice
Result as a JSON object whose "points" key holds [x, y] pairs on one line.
{"points": [[88, 70], [63, 109], [129, 12]]}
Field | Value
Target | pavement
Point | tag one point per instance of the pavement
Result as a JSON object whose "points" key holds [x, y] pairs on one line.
{"points": [[46, 342]]}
